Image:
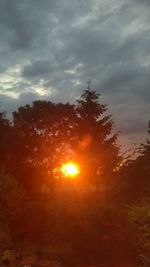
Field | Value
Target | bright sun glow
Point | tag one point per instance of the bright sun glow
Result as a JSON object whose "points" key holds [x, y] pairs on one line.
{"points": [[70, 169]]}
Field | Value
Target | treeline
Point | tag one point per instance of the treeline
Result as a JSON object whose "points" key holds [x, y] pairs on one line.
{"points": [[101, 217]]}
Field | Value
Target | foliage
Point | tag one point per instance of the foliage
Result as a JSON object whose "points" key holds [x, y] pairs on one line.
{"points": [[139, 218], [12, 208], [43, 131], [133, 183], [5, 141], [11, 196], [98, 149]]}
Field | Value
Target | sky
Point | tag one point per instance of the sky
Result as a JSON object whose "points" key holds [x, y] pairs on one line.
{"points": [[50, 49]]}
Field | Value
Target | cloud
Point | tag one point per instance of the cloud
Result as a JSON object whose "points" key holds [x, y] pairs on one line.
{"points": [[51, 48], [9, 104]]}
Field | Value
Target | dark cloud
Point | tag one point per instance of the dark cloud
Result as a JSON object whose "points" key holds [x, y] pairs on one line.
{"points": [[131, 126], [16, 24], [38, 68], [145, 2]]}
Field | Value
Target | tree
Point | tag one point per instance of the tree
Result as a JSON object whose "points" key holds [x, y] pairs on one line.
{"points": [[42, 132], [139, 220], [146, 153], [5, 141], [12, 205], [97, 145], [11, 195], [134, 181]]}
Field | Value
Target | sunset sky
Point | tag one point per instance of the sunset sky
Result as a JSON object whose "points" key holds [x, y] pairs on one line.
{"points": [[49, 49]]}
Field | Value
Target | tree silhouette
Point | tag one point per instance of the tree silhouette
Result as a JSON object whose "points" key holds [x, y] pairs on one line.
{"points": [[42, 132], [134, 184], [5, 141], [98, 148]]}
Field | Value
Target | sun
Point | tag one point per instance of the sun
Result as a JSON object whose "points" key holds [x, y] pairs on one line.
{"points": [[70, 169]]}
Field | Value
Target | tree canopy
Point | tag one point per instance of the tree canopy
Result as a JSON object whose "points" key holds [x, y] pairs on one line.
{"points": [[45, 134], [98, 146]]}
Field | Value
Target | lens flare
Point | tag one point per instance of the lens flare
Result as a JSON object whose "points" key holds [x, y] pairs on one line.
{"points": [[70, 169]]}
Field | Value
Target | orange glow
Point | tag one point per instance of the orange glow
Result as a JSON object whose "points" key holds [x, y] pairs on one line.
{"points": [[70, 170]]}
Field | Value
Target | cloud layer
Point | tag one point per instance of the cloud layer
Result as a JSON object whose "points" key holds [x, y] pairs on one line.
{"points": [[49, 49]]}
